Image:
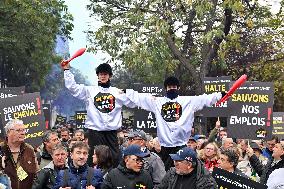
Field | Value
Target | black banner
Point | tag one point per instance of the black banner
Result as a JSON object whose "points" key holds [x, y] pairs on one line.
{"points": [[60, 120], [6, 93], [278, 124], [228, 180], [80, 117], [251, 108], [212, 85], [47, 114], [145, 120], [27, 108]]}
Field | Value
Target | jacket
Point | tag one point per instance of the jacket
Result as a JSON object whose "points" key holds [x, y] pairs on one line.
{"points": [[123, 178], [44, 158], [46, 177], [264, 171], [103, 105], [26, 162], [155, 166], [204, 180], [5, 181], [77, 178]]}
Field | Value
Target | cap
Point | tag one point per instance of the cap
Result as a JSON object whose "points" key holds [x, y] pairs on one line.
{"points": [[192, 138], [134, 150], [138, 133], [255, 146], [185, 153]]}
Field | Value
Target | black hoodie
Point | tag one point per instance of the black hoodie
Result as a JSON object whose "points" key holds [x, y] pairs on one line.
{"points": [[124, 178]]}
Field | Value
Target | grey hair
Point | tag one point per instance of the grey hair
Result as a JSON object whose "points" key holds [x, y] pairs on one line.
{"points": [[58, 146], [46, 135], [79, 131], [12, 123]]}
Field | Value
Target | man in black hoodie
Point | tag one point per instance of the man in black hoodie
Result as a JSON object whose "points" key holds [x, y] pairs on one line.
{"points": [[188, 172], [129, 174]]}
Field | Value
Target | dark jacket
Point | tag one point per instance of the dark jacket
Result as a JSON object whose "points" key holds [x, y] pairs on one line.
{"points": [[267, 153], [77, 178], [123, 178], [204, 180], [43, 158], [264, 171], [26, 160], [46, 177]]}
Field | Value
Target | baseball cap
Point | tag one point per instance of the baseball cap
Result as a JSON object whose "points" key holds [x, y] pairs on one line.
{"points": [[135, 150], [192, 138], [138, 133], [185, 153]]}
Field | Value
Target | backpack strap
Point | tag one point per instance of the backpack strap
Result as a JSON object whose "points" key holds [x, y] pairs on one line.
{"points": [[65, 178], [90, 176]]}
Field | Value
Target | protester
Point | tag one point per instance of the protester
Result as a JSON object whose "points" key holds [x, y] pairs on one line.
{"points": [[174, 115], [50, 139], [79, 135], [244, 165], [103, 104], [210, 156], [79, 175], [276, 162], [263, 160], [19, 159], [217, 134], [227, 143], [192, 143], [46, 176], [268, 151], [188, 172], [103, 159], [152, 163], [65, 137], [129, 174], [229, 159]]}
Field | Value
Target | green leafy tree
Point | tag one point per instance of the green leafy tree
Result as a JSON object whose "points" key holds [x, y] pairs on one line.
{"points": [[189, 38], [27, 40]]}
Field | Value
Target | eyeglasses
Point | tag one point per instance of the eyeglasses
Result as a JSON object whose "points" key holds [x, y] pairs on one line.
{"points": [[132, 139], [18, 130], [138, 160]]}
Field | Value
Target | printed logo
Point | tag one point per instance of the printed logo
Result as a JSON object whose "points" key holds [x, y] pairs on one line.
{"points": [[171, 111], [104, 102]]}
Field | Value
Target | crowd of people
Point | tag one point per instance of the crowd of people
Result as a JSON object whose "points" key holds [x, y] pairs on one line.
{"points": [[104, 156]]}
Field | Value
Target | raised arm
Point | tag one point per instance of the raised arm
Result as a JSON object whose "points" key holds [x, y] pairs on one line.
{"points": [[144, 100]]}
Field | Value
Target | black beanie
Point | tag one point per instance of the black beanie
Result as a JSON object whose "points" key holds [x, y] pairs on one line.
{"points": [[104, 68], [171, 81]]}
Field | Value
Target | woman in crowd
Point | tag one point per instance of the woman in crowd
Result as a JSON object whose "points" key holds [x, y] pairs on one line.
{"points": [[210, 156], [103, 159]]}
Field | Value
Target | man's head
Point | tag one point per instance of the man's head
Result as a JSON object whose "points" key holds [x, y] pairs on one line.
{"points": [[271, 143], [278, 151], [171, 83], [104, 72], [133, 157], [59, 155], [256, 149], [50, 139], [64, 133], [138, 137], [227, 143], [229, 159], [223, 133], [244, 145], [15, 130], [79, 153], [79, 135], [192, 143], [185, 160]]}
